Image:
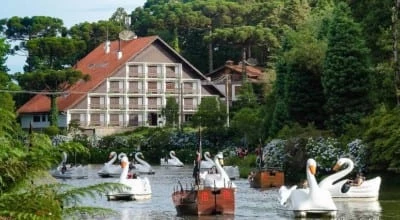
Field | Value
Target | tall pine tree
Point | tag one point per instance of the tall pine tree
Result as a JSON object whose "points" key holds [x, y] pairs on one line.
{"points": [[346, 76]]}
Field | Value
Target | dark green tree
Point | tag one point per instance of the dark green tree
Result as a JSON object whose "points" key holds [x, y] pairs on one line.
{"points": [[53, 53], [171, 112], [53, 83], [211, 113], [346, 77]]}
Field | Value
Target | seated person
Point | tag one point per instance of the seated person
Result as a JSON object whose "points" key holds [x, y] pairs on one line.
{"points": [[357, 181]]}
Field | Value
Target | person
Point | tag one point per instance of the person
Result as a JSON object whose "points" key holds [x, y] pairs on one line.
{"points": [[196, 169], [251, 175], [303, 184], [358, 180]]}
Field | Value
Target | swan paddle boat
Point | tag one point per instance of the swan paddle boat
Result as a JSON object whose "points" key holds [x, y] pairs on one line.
{"points": [[67, 171], [309, 201], [208, 163], [219, 179], [136, 188], [110, 169], [142, 167], [171, 162], [340, 188]]}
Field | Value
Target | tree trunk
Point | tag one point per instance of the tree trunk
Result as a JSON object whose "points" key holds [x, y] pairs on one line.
{"points": [[53, 111]]}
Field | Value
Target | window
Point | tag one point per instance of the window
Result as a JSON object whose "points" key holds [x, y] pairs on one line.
{"points": [[36, 118]]}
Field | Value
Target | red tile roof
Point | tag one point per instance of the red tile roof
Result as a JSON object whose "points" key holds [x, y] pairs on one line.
{"points": [[99, 66], [251, 71]]}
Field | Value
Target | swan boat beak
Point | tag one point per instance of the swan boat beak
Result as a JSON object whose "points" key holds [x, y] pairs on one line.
{"points": [[124, 164], [336, 167], [313, 169]]}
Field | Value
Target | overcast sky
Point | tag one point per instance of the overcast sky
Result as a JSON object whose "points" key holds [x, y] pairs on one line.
{"points": [[70, 11]]}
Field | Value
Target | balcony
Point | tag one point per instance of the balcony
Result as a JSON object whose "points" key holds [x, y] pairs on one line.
{"points": [[97, 106]]}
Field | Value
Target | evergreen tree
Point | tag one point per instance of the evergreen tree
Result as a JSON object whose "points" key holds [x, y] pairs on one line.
{"points": [[346, 75]]}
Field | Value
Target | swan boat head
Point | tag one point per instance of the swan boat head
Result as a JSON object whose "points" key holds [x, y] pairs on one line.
{"points": [[136, 189], [219, 180], [311, 200]]}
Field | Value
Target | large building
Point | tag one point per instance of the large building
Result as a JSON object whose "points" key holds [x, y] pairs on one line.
{"points": [[129, 84]]}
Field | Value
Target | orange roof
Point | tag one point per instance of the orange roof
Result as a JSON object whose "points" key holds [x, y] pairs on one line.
{"points": [[251, 71], [99, 66]]}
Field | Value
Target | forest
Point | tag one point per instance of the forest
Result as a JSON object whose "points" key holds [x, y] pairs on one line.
{"points": [[332, 79]]}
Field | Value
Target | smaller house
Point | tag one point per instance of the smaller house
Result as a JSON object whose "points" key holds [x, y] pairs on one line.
{"points": [[229, 78]]}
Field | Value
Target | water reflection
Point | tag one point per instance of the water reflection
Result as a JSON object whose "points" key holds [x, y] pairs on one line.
{"points": [[250, 203]]}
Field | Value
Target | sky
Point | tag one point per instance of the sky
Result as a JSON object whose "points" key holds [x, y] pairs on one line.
{"points": [[70, 11]]}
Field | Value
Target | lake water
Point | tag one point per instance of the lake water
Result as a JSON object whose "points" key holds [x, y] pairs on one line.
{"points": [[250, 203]]}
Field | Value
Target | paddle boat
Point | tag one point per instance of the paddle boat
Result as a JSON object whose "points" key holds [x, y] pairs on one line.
{"points": [[345, 189], [110, 169], [208, 163], [67, 171], [308, 201], [171, 162], [137, 188], [141, 167], [266, 178], [215, 195], [220, 179]]}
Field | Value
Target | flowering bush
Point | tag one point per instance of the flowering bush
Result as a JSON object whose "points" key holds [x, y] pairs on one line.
{"points": [[357, 151], [274, 154], [324, 151]]}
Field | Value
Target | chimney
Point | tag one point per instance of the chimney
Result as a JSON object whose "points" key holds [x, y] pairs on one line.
{"points": [[107, 47]]}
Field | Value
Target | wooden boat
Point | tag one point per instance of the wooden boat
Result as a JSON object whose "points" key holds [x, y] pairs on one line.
{"points": [[267, 178], [204, 201]]}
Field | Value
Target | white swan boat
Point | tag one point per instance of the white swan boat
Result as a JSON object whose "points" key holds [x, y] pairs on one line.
{"points": [[142, 166], [110, 169], [367, 190], [136, 189], [67, 171], [219, 179], [171, 162], [312, 200], [208, 164]]}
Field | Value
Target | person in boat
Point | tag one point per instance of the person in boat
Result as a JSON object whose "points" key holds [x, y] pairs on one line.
{"points": [[303, 184], [358, 180], [251, 175], [196, 169]]}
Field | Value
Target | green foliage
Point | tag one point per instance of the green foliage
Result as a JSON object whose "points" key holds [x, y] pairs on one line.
{"points": [[381, 136], [346, 77], [211, 113], [247, 123], [52, 131], [171, 112]]}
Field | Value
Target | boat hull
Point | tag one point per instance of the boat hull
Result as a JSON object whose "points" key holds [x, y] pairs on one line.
{"points": [[127, 196], [267, 179], [207, 201]]}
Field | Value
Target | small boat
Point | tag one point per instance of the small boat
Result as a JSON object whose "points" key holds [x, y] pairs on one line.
{"points": [[204, 201], [215, 195], [142, 167], [67, 171], [110, 169], [171, 162], [311, 201], [266, 178], [344, 189], [208, 164], [136, 188]]}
